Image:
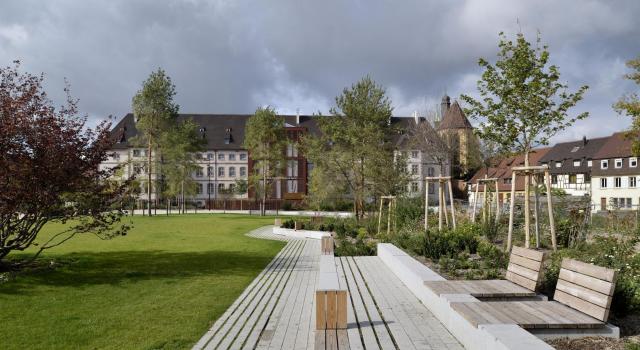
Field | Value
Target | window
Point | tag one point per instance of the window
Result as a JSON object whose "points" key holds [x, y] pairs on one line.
{"points": [[199, 188], [617, 182], [232, 171], [603, 182], [243, 171], [210, 188], [232, 187], [573, 178], [232, 156], [632, 182], [575, 149], [414, 187], [243, 156], [292, 151], [507, 181], [292, 168], [199, 172], [604, 164], [136, 153], [576, 163], [220, 171], [220, 187], [116, 156], [430, 171], [558, 164], [209, 156], [431, 188], [554, 179], [414, 169], [414, 154], [618, 163], [589, 163], [220, 156], [292, 186], [209, 171], [137, 168], [587, 178], [199, 156], [633, 162]]}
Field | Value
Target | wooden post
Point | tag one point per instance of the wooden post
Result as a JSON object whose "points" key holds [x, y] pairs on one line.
{"points": [[439, 206], [512, 207], [536, 210], [552, 224], [484, 201], [453, 210], [444, 203], [389, 217], [426, 205], [527, 219], [475, 203], [380, 216], [497, 203]]}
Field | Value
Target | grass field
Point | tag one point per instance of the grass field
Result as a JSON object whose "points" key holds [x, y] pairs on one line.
{"points": [[159, 287]]}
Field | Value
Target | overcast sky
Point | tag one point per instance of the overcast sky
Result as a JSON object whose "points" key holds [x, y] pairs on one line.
{"points": [[233, 56]]}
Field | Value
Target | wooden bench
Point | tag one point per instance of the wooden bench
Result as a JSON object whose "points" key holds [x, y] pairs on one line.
{"points": [[326, 245], [331, 299], [523, 277], [582, 300]]}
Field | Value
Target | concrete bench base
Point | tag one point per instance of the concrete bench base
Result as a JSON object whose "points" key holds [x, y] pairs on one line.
{"points": [[609, 331]]}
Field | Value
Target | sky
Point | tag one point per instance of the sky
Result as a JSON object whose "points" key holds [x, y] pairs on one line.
{"points": [[232, 56]]}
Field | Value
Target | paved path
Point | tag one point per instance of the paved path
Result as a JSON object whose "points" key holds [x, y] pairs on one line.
{"points": [[276, 311]]}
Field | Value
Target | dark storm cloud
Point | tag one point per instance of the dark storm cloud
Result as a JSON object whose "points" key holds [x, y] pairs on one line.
{"points": [[232, 56]]}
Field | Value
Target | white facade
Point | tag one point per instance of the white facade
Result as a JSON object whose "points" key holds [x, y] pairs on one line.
{"points": [[419, 166], [615, 192]]}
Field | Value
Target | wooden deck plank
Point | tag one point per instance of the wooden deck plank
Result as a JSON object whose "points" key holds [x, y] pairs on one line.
{"points": [[353, 331], [480, 288], [384, 337], [363, 322]]}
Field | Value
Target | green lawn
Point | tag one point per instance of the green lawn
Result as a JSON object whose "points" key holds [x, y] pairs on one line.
{"points": [[159, 287]]}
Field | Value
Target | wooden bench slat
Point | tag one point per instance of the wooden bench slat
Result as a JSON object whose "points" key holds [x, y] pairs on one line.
{"points": [[593, 310], [525, 262], [594, 271], [522, 281], [592, 283], [523, 271], [586, 294], [528, 253]]}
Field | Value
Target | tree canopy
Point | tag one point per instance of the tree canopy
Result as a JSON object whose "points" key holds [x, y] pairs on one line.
{"points": [[629, 104], [50, 168]]}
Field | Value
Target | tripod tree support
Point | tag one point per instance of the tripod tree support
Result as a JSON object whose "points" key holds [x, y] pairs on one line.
{"points": [[392, 206], [527, 171], [485, 182], [443, 183]]}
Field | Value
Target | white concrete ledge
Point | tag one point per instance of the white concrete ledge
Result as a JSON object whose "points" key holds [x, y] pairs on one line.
{"points": [[486, 337], [300, 233]]}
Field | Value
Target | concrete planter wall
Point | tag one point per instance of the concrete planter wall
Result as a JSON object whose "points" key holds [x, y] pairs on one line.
{"points": [[300, 233]]}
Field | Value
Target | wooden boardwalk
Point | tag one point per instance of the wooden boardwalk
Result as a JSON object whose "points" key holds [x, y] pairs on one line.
{"points": [[276, 311]]}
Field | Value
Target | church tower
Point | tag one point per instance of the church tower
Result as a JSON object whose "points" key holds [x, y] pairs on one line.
{"points": [[457, 131]]}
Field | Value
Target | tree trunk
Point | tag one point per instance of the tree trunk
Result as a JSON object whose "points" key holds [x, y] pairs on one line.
{"points": [[149, 177], [263, 211], [527, 218]]}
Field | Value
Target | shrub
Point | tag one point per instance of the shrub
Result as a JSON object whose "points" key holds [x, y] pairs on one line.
{"points": [[450, 243], [492, 256], [358, 247]]}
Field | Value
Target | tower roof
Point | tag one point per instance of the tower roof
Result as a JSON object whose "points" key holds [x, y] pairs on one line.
{"points": [[454, 118]]}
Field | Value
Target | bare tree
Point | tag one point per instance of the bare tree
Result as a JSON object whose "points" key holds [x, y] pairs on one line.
{"points": [[425, 138]]}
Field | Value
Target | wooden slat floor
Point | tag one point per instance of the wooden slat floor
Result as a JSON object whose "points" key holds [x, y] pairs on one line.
{"points": [[276, 311]]}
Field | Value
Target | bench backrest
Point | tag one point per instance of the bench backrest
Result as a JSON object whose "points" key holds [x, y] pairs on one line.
{"points": [[586, 288], [525, 267], [326, 245]]}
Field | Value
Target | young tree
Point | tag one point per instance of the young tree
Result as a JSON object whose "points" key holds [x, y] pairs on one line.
{"points": [[50, 168], [630, 105], [265, 139], [523, 102], [355, 143], [155, 114]]}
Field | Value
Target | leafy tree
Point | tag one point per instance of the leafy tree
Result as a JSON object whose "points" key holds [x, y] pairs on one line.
{"points": [[630, 105], [241, 187], [155, 114], [355, 143], [265, 139], [50, 168], [523, 103]]}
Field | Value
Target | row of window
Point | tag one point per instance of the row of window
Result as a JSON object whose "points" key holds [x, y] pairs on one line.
{"points": [[414, 154], [211, 188], [415, 170], [573, 179], [221, 171], [414, 188], [617, 182], [222, 156], [617, 163]]}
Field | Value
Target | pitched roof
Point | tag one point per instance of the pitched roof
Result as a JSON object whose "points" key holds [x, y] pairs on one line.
{"points": [[454, 118], [567, 152], [214, 128], [616, 145], [503, 170]]}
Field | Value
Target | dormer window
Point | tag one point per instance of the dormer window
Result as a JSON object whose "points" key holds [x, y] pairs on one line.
{"points": [[576, 163], [633, 162], [558, 164], [203, 132], [228, 138], [604, 164], [618, 163], [589, 163]]}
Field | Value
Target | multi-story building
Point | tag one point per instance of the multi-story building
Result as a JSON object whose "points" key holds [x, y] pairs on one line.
{"points": [[614, 175], [457, 131], [224, 160], [570, 165]]}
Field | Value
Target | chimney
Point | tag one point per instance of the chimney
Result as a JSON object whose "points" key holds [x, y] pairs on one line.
{"points": [[416, 118], [584, 140], [444, 105], [297, 116]]}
